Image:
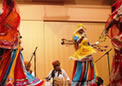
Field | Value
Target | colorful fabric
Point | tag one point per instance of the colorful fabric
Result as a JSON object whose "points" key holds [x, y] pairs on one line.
{"points": [[4, 63], [116, 29], [117, 42], [85, 50], [16, 73], [116, 72], [34, 81], [12, 68], [115, 34], [79, 27], [9, 22], [84, 74]]}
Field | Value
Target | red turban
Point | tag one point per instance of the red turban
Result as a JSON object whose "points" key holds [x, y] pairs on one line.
{"points": [[56, 63]]}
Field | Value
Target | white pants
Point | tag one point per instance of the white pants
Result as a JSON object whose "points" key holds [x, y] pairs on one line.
{"points": [[48, 84]]}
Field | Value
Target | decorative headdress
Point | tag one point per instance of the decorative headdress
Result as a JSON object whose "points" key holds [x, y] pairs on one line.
{"points": [[56, 63], [79, 27]]}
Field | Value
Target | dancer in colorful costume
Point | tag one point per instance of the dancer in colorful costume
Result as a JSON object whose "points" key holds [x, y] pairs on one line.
{"points": [[12, 69], [84, 71], [114, 32]]}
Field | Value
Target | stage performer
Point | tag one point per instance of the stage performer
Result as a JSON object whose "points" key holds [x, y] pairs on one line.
{"points": [[12, 68], [84, 71], [58, 75], [114, 31]]}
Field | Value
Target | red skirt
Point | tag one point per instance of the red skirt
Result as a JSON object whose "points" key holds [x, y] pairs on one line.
{"points": [[116, 72]]}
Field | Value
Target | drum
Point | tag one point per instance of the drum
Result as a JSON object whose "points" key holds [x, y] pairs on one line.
{"points": [[57, 82]]}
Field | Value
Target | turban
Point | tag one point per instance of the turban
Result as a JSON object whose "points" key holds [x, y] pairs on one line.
{"points": [[56, 63]]}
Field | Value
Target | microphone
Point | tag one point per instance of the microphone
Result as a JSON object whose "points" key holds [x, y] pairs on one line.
{"points": [[53, 73]]}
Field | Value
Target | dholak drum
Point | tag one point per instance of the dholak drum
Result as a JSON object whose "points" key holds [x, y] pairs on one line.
{"points": [[58, 82]]}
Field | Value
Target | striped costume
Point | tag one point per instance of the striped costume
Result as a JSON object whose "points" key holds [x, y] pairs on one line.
{"points": [[84, 72], [12, 68]]}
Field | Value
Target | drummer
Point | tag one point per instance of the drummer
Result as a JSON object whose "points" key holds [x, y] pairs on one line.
{"points": [[58, 73]]}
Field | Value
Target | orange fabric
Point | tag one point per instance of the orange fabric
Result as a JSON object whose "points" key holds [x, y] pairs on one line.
{"points": [[9, 22]]}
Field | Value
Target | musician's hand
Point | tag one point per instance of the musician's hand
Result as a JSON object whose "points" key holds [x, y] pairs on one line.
{"points": [[47, 79]]}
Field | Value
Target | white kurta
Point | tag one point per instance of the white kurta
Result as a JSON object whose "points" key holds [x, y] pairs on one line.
{"points": [[62, 76]]}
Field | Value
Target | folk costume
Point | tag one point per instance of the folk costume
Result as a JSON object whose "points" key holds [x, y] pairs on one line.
{"points": [[12, 68], [114, 32], [84, 71]]}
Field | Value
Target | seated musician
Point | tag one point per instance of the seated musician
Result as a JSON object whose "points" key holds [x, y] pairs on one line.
{"points": [[57, 75], [27, 66]]}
